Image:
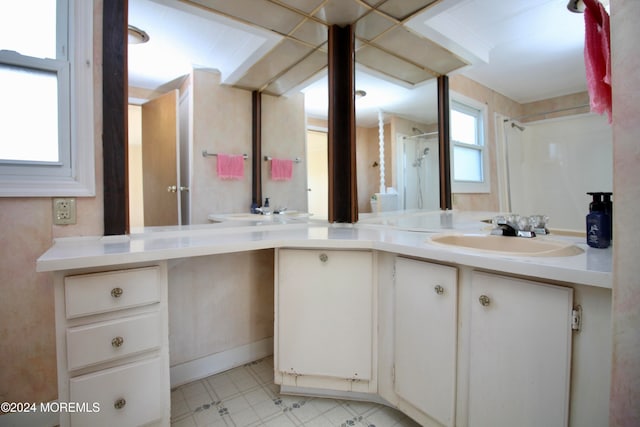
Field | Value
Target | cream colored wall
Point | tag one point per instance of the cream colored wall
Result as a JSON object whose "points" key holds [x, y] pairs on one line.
{"points": [[221, 124], [562, 105], [28, 350], [625, 387], [284, 136], [233, 296]]}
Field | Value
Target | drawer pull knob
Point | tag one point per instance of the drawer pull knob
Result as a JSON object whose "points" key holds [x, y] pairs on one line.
{"points": [[324, 257], [120, 403], [117, 342], [116, 292], [484, 300], [439, 290]]}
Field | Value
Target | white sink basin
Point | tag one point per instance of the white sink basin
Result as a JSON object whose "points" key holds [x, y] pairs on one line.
{"points": [[521, 246]]}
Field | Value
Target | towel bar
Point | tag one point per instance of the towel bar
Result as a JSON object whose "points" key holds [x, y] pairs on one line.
{"points": [[205, 153], [296, 160]]}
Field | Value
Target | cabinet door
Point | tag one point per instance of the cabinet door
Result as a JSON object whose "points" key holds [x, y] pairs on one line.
{"points": [[325, 313], [520, 352], [425, 337]]}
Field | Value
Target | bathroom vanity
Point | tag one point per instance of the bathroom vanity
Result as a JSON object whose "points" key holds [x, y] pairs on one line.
{"points": [[451, 336]]}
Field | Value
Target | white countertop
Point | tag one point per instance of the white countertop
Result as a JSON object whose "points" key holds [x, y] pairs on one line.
{"points": [[406, 234]]}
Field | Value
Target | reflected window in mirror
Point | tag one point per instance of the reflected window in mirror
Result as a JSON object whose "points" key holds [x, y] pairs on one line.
{"points": [[469, 154]]}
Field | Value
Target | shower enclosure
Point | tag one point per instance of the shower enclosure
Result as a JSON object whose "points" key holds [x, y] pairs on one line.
{"points": [[417, 166], [550, 165]]}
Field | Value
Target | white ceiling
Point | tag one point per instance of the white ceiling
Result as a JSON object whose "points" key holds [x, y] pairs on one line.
{"points": [[527, 50]]}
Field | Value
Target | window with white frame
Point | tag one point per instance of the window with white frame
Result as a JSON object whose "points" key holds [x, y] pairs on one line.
{"points": [[46, 108], [469, 156]]}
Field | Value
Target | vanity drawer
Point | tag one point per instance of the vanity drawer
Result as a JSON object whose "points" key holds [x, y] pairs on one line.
{"points": [[94, 293], [113, 339], [129, 395]]}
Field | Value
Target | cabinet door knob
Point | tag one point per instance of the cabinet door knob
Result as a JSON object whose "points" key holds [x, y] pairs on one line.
{"points": [[116, 292], [120, 403], [324, 257], [484, 300], [439, 290], [172, 188], [117, 342]]}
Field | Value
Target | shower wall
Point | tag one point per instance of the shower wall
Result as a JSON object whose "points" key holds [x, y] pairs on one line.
{"points": [[418, 177], [554, 163]]}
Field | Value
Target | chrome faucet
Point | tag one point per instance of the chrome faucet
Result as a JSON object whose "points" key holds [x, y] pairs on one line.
{"points": [[268, 211], [504, 227]]}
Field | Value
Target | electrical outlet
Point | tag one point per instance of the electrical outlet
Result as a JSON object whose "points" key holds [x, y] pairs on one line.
{"points": [[64, 211]]}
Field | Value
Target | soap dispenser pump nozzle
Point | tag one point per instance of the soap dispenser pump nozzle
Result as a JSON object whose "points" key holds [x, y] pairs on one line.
{"points": [[596, 202]]}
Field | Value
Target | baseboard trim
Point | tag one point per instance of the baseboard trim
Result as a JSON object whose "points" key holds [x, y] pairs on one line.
{"points": [[219, 362]]}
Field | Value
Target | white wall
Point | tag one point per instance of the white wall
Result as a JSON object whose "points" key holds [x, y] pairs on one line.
{"points": [[554, 163]]}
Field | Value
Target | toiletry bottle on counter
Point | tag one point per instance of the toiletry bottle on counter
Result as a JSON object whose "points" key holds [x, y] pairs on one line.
{"points": [[266, 209], [598, 223]]}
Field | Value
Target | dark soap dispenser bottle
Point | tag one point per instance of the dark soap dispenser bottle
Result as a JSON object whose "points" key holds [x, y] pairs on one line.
{"points": [[598, 223]]}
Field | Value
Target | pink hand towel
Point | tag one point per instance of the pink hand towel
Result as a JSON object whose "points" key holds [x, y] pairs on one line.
{"points": [[597, 57], [230, 166], [281, 169]]}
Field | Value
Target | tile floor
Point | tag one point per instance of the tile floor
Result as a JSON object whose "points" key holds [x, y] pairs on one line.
{"points": [[246, 396]]}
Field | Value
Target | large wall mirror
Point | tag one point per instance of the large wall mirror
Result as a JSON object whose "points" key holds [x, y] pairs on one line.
{"points": [[283, 60], [278, 48]]}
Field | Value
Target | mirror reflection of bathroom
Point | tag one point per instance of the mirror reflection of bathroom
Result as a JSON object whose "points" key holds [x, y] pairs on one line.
{"points": [[551, 164], [417, 166]]}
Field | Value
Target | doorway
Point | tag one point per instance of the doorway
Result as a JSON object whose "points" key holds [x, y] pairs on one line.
{"points": [[158, 192], [317, 174]]}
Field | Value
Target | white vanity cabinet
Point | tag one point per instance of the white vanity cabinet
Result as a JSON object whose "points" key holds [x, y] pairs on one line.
{"points": [[112, 345], [425, 339], [519, 352], [325, 319]]}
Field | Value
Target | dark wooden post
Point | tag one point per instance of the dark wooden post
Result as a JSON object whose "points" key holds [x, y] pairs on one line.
{"points": [[114, 118], [444, 142], [343, 196], [256, 148]]}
